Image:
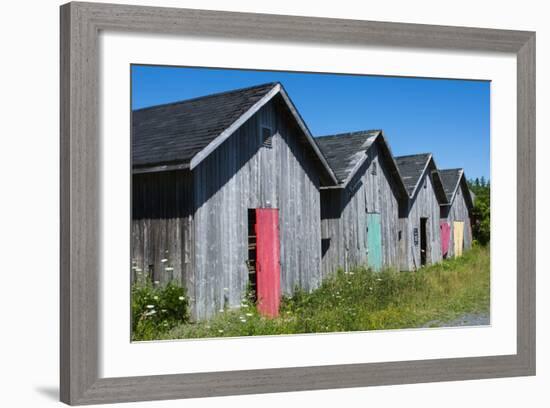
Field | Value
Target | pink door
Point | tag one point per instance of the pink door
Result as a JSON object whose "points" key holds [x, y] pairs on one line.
{"points": [[268, 270], [445, 229]]}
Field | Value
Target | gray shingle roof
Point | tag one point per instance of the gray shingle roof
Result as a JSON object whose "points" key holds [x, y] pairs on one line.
{"points": [[345, 150], [173, 133], [450, 179], [411, 168]]}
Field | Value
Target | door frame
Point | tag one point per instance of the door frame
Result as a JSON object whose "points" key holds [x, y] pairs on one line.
{"points": [[424, 247]]}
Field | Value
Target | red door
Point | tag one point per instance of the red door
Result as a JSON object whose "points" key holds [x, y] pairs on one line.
{"points": [[445, 237], [268, 271]]}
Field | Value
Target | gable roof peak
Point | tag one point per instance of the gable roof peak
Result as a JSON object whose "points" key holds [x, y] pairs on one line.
{"points": [[346, 153], [451, 180], [413, 167]]}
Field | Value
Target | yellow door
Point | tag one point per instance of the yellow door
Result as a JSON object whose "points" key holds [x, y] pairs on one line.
{"points": [[458, 237]]}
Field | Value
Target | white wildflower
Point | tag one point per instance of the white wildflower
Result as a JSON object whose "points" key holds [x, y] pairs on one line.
{"points": [[220, 331], [181, 298], [150, 306], [249, 314], [151, 312], [164, 260], [168, 268], [243, 320], [156, 297], [370, 288], [221, 310], [156, 282], [378, 279], [226, 289]]}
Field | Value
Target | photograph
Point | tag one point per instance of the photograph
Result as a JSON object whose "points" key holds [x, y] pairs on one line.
{"points": [[282, 203]]}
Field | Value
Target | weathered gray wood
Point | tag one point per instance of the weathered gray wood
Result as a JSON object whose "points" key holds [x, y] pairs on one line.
{"points": [[162, 221], [344, 212], [458, 211], [79, 204], [271, 27], [80, 25], [230, 130], [423, 204], [162, 387], [240, 175], [526, 204]]}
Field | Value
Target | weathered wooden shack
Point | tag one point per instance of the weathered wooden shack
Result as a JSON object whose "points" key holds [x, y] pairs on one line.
{"points": [[360, 215], [456, 228], [226, 194], [420, 243]]}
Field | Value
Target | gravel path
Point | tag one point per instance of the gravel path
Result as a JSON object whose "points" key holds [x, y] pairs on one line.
{"points": [[469, 319]]}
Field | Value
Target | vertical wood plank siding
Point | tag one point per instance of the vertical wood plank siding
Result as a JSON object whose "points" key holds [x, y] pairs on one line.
{"points": [[423, 205], [162, 227], [242, 174], [343, 214], [458, 211]]}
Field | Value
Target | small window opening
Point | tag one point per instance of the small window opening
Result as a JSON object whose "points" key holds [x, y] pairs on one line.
{"points": [[425, 183], [374, 170], [267, 138], [399, 235]]}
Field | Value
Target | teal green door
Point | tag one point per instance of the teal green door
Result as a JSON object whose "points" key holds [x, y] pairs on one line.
{"points": [[374, 241]]}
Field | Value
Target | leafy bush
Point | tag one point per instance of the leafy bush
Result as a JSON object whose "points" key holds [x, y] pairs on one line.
{"points": [[481, 226], [156, 309]]}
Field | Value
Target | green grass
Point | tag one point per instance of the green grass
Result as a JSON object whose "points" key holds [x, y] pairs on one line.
{"points": [[363, 300]]}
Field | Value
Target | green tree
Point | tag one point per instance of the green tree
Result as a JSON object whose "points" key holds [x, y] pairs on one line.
{"points": [[481, 214]]}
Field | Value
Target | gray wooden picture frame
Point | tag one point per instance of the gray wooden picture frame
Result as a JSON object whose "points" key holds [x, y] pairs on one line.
{"points": [[80, 192]]}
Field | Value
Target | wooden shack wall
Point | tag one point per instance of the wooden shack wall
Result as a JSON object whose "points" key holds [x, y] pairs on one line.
{"points": [[162, 227], [241, 174], [343, 215], [423, 205], [458, 211]]}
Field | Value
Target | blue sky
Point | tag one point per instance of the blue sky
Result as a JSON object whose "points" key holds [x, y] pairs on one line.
{"points": [[450, 118]]}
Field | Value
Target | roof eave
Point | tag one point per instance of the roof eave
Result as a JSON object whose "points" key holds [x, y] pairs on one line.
{"points": [[155, 168]]}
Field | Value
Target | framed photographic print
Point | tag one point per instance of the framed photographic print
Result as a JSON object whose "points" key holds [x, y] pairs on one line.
{"points": [[259, 203]]}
